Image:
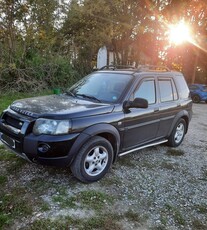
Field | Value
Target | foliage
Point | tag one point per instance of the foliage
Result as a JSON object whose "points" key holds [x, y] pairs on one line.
{"points": [[30, 59], [192, 56], [40, 74], [53, 43]]}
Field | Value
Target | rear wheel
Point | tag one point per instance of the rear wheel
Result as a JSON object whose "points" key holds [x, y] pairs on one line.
{"points": [[196, 98], [178, 133], [93, 160]]}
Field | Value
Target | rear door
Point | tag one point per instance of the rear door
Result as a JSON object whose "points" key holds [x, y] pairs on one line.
{"points": [[169, 104]]}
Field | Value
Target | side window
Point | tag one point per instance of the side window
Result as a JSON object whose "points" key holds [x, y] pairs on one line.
{"points": [[167, 90], [147, 91]]}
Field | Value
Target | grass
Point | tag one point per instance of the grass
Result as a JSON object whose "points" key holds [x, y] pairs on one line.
{"points": [[15, 162], [198, 225], [148, 165], [202, 208], [89, 199], [135, 217], [6, 155], [64, 201], [126, 161], [16, 165], [14, 204], [106, 222], [169, 166], [47, 224], [175, 152], [101, 222], [3, 180], [176, 214], [94, 199], [110, 180]]}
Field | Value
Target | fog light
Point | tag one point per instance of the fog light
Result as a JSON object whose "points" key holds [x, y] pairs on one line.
{"points": [[43, 148]]}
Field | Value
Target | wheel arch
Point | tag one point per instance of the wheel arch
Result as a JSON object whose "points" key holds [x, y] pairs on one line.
{"points": [[106, 131], [181, 115]]}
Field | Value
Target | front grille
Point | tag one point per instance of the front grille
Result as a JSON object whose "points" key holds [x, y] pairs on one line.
{"points": [[13, 129], [13, 121]]}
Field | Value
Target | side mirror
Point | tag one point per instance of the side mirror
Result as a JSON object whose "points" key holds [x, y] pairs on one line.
{"points": [[137, 103]]}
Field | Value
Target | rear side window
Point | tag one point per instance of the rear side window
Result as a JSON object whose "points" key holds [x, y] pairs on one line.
{"points": [[167, 90], [182, 86]]}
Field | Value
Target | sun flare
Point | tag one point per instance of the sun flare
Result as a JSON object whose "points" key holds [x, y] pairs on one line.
{"points": [[179, 33]]}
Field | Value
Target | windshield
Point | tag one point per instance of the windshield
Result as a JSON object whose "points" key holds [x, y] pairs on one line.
{"points": [[101, 86]]}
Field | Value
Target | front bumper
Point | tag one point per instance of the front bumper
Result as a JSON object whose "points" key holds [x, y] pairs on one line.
{"points": [[16, 133], [49, 150]]}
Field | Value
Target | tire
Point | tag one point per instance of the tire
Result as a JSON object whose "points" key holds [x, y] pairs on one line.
{"points": [[93, 160], [178, 133], [196, 98]]}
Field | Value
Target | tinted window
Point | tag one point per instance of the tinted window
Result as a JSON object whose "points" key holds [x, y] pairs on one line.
{"points": [[166, 90], [147, 91]]}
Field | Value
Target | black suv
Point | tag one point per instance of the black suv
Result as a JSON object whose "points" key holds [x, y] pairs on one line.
{"points": [[107, 114]]}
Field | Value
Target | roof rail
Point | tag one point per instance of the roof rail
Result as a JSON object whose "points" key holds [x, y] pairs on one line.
{"points": [[113, 67], [153, 68]]}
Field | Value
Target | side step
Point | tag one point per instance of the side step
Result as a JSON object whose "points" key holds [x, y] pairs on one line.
{"points": [[142, 147]]}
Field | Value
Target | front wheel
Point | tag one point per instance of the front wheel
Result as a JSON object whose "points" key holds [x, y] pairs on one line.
{"points": [[178, 133], [93, 160]]}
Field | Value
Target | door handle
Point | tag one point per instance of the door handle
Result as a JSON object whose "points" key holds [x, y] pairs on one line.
{"points": [[156, 109]]}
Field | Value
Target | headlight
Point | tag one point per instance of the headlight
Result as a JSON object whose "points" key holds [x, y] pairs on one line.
{"points": [[51, 127]]}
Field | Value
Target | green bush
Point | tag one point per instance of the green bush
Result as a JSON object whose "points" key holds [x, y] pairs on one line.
{"points": [[38, 73]]}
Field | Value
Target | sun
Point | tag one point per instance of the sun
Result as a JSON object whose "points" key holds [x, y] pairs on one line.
{"points": [[179, 33]]}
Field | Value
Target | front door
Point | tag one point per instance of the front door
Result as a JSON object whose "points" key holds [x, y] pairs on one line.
{"points": [[141, 125]]}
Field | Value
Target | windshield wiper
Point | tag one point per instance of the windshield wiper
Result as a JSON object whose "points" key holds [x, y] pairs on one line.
{"points": [[89, 97], [70, 93]]}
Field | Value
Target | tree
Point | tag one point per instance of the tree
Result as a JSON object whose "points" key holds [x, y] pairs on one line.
{"points": [[87, 28], [192, 55]]}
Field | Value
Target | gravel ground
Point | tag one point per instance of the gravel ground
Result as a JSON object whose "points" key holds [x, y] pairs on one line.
{"points": [[164, 188]]}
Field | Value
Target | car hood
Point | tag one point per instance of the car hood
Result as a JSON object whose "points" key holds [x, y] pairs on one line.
{"points": [[54, 106]]}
